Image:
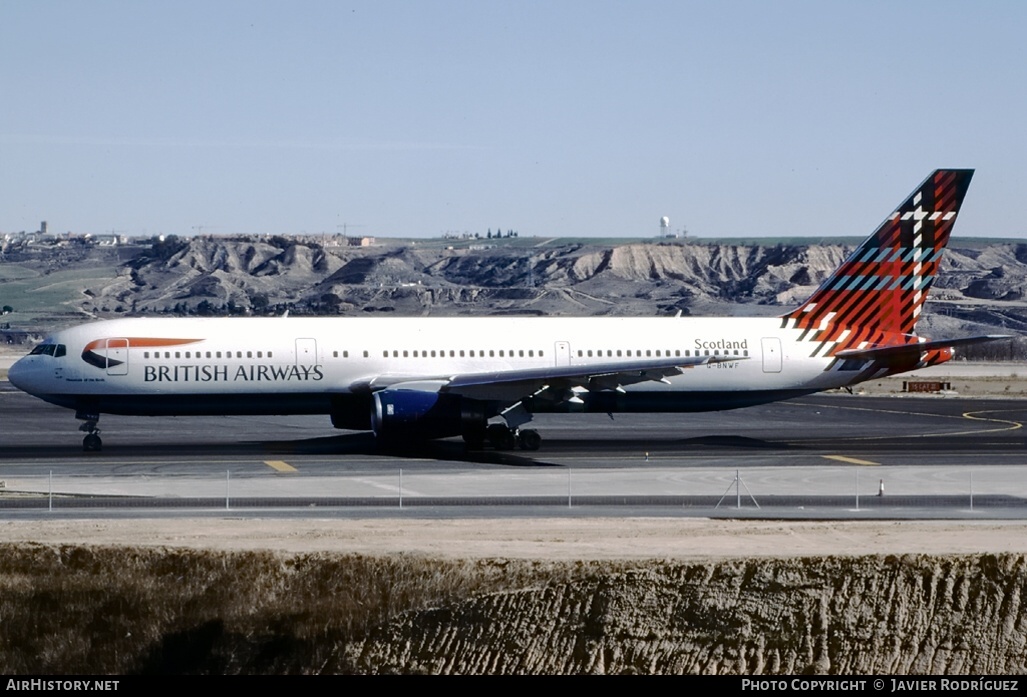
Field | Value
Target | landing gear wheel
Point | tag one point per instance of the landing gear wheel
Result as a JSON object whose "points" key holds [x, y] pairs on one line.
{"points": [[501, 437], [529, 439], [92, 443]]}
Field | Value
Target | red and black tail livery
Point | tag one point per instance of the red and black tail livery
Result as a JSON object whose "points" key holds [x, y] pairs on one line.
{"points": [[877, 294]]}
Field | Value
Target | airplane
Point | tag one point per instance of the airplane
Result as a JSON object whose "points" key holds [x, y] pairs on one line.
{"points": [[485, 378]]}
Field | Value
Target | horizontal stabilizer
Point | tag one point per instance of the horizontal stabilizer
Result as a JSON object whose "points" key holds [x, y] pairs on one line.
{"points": [[877, 352]]}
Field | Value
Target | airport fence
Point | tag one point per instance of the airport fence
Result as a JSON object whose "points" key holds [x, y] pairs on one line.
{"points": [[753, 491]]}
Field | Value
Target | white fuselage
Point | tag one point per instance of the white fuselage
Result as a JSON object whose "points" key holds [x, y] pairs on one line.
{"points": [[283, 365]]}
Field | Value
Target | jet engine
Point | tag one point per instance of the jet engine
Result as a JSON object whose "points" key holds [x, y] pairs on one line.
{"points": [[423, 414]]}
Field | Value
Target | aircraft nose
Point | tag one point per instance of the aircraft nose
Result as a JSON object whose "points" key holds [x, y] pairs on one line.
{"points": [[18, 374]]}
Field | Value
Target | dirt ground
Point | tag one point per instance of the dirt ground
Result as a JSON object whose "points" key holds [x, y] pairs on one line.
{"points": [[550, 539]]}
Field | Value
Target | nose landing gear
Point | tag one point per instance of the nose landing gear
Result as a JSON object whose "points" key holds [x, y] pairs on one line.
{"points": [[91, 443]]}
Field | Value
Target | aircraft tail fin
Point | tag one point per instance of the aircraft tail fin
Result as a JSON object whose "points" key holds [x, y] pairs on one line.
{"points": [[880, 289]]}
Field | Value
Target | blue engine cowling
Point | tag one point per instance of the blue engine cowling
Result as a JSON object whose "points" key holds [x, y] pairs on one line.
{"points": [[423, 414]]}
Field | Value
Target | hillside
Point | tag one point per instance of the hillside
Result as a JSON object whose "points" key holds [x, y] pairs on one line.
{"points": [[983, 287]]}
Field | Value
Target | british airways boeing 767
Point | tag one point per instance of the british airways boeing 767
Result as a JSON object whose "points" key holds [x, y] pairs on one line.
{"points": [[485, 378]]}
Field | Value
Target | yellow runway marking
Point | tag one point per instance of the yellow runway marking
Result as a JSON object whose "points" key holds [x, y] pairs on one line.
{"points": [[970, 415], [1010, 425], [280, 466], [851, 460]]}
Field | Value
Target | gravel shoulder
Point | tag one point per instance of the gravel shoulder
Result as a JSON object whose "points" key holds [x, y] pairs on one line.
{"points": [[540, 538]]}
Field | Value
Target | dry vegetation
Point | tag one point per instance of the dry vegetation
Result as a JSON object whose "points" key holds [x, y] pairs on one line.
{"points": [[96, 610], [205, 612]]}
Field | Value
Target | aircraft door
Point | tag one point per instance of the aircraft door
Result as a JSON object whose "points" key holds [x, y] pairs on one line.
{"points": [[771, 354], [306, 352], [117, 356], [563, 352]]}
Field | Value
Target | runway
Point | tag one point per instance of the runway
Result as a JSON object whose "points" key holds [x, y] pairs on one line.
{"points": [[826, 455]]}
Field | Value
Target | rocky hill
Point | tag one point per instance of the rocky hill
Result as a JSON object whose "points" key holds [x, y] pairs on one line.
{"points": [[983, 287], [225, 275]]}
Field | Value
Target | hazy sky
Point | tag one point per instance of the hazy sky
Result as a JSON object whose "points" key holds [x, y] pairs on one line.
{"points": [[558, 117]]}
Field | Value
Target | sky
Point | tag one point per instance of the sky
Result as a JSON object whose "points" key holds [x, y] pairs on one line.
{"points": [[587, 118]]}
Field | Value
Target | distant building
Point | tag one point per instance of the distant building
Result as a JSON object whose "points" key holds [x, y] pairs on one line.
{"points": [[359, 241]]}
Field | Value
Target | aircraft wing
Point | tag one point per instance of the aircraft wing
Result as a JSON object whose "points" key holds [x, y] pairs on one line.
{"points": [[514, 385], [878, 352]]}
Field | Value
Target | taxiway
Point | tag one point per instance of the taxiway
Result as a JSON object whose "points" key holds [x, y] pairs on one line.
{"points": [[887, 456]]}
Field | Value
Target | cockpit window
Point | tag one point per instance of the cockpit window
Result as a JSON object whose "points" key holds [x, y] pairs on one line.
{"points": [[55, 350]]}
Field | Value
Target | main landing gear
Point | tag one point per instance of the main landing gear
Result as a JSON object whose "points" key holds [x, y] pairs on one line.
{"points": [[509, 434], [502, 437]]}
